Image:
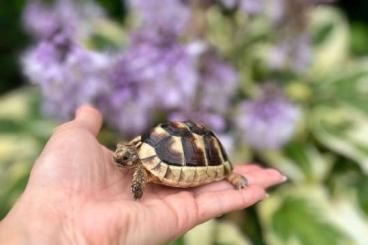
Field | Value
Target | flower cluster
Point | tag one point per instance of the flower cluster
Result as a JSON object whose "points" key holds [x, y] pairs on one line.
{"points": [[163, 16], [167, 71], [67, 73], [268, 121], [64, 17], [154, 73]]}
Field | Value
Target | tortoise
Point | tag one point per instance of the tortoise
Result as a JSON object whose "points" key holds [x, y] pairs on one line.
{"points": [[177, 154]]}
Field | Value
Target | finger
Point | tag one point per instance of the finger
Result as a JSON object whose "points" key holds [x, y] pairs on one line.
{"points": [[88, 118], [264, 177], [214, 204], [255, 175]]}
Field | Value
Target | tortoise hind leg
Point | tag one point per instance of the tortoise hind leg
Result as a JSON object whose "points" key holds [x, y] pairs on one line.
{"points": [[237, 180], [140, 178]]}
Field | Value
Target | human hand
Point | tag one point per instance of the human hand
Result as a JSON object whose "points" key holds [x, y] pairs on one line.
{"points": [[76, 195]]}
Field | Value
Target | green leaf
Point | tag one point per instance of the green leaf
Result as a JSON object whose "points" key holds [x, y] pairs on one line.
{"points": [[297, 153], [359, 38], [342, 129], [202, 234], [332, 40], [297, 218], [349, 86], [362, 188], [14, 106], [229, 234], [307, 214], [10, 126], [13, 185], [179, 241], [300, 162], [107, 35], [320, 33]]}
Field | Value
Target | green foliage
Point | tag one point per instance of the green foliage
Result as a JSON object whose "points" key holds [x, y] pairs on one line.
{"points": [[321, 33], [23, 133], [179, 241], [359, 37], [362, 187], [342, 129], [297, 218], [300, 157], [348, 86]]}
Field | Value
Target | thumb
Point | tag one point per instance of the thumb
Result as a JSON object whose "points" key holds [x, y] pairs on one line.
{"points": [[88, 118]]}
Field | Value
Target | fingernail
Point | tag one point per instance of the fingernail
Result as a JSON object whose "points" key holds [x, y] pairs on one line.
{"points": [[266, 195], [284, 178]]}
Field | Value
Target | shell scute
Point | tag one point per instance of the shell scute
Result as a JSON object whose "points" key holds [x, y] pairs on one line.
{"points": [[173, 174], [170, 151], [193, 151], [160, 170]]}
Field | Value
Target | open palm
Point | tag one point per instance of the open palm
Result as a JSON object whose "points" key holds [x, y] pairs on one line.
{"points": [[76, 185]]}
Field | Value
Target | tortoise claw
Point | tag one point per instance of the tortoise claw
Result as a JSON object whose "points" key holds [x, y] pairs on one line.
{"points": [[137, 191], [238, 181]]}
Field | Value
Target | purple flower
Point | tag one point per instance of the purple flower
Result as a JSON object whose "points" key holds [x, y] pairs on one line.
{"points": [[214, 121], [230, 4], [162, 67], [63, 17], [277, 9], [249, 7], [293, 53], [267, 122], [126, 110], [43, 21], [252, 7], [218, 83], [157, 74], [164, 15], [67, 74]]}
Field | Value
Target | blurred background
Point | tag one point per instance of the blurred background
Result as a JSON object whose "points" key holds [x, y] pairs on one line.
{"points": [[284, 83]]}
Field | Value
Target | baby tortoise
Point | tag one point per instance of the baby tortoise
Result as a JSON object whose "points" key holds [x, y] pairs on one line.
{"points": [[178, 154]]}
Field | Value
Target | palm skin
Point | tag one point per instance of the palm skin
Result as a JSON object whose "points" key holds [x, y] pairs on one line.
{"points": [[76, 193]]}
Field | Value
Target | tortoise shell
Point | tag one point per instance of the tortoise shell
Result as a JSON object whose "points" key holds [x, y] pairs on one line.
{"points": [[183, 154]]}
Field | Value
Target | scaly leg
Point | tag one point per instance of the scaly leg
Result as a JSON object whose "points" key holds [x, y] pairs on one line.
{"points": [[140, 178], [237, 180]]}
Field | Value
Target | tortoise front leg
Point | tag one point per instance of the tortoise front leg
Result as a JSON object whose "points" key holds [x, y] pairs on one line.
{"points": [[237, 180], [140, 178]]}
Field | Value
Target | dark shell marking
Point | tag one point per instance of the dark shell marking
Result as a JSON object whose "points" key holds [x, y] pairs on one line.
{"points": [[194, 155], [167, 153], [177, 144]]}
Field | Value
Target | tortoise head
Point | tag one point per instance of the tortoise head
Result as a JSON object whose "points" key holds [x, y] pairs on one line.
{"points": [[126, 155]]}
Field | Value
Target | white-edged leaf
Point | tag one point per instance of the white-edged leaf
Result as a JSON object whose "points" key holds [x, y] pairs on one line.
{"points": [[14, 105], [228, 233], [300, 162], [346, 214], [300, 215], [344, 130], [348, 86], [201, 234], [332, 51], [216, 232]]}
